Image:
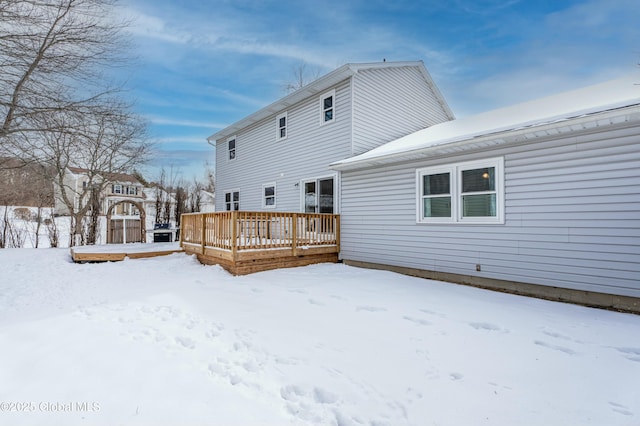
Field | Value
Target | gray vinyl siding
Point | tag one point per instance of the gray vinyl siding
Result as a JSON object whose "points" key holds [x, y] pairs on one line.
{"points": [[390, 103], [306, 153], [572, 217]]}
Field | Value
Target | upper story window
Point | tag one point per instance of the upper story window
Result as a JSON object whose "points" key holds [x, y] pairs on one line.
{"points": [[269, 195], [116, 189], [327, 107], [281, 126], [231, 146], [470, 192], [232, 200], [132, 190]]}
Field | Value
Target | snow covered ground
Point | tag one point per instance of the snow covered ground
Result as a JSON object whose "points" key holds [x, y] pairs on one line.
{"points": [[167, 341]]}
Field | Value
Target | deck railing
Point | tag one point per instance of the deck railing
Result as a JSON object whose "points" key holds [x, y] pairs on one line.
{"points": [[241, 230]]}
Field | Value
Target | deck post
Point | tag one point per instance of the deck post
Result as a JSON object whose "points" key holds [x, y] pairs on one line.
{"points": [[203, 232], [234, 236], [294, 237], [337, 232]]}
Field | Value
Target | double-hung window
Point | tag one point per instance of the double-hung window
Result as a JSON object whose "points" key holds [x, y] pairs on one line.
{"points": [[470, 192], [269, 195], [281, 126], [116, 189], [232, 200], [231, 147], [327, 107]]}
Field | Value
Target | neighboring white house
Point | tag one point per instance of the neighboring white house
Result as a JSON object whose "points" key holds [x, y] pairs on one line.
{"points": [[121, 202], [539, 198], [277, 158]]}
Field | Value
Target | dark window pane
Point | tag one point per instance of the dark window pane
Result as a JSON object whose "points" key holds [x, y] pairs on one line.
{"points": [[269, 191], [227, 197], [283, 133], [232, 144], [270, 201], [328, 115], [236, 196], [437, 207], [283, 122], [436, 184], [483, 205], [479, 180], [328, 102]]}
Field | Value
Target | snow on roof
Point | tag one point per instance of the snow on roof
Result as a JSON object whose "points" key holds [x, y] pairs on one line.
{"points": [[602, 97]]}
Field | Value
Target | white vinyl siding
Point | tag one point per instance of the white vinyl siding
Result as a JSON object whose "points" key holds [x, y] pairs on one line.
{"points": [[308, 151], [391, 103], [572, 217], [310, 147]]}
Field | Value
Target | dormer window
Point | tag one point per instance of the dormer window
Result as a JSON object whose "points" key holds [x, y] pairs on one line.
{"points": [[327, 107], [116, 189]]}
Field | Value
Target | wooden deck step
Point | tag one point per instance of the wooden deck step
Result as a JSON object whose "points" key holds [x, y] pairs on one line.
{"points": [[118, 252]]}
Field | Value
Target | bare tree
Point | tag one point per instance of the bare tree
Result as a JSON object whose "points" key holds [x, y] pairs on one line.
{"points": [[300, 77], [53, 57], [58, 105], [102, 145]]}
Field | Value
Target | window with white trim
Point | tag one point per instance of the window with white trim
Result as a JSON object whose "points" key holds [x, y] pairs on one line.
{"points": [[269, 195], [116, 189], [281, 126], [231, 147], [232, 200], [471, 192], [327, 107]]}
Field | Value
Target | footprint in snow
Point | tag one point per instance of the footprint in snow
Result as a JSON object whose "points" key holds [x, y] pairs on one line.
{"points": [[417, 321], [555, 347], [455, 376], [316, 302], [186, 342], [632, 354], [620, 409], [485, 326], [370, 309]]}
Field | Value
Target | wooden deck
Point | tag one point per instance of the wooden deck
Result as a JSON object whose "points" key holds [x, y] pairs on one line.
{"points": [[247, 242], [118, 252]]}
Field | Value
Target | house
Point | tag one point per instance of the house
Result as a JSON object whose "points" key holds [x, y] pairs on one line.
{"points": [[120, 201], [278, 158], [541, 198]]}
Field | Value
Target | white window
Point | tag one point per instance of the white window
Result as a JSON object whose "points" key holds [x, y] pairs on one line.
{"points": [[470, 192], [231, 147], [132, 190], [232, 200], [281, 126], [116, 189], [327, 107]]}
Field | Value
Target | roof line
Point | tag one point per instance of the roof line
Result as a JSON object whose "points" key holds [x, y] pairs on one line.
{"points": [[320, 84]]}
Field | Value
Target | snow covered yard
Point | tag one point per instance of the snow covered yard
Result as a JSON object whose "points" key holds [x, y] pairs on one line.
{"points": [[167, 341]]}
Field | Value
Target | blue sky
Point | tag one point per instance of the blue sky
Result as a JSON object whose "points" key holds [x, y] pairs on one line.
{"points": [[203, 64]]}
